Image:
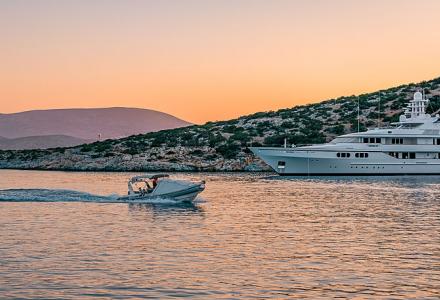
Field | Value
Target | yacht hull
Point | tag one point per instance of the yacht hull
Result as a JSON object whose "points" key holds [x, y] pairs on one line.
{"points": [[292, 162]]}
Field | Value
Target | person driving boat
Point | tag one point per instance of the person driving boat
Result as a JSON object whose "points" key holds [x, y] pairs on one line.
{"points": [[154, 183], [149, 188]]}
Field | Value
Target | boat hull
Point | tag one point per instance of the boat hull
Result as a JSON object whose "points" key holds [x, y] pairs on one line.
{"points": [[186, 195], [291, 162]]}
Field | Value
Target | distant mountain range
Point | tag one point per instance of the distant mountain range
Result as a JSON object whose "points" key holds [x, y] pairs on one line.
{"points": [[40, 142], [70, 127]]}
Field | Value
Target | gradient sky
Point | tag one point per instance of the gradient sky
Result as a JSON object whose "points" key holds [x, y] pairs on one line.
{"points": [[208, 59]]}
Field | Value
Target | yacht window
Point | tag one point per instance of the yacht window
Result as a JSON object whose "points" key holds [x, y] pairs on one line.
{"points": [[365, 140], [438, 141], [372, 140], [356, 154], [404, 155], [378, 140], [345, 140], [366, 155], [343, 154], [361, 155], [281, 163], [397, 141], [412, 155]]}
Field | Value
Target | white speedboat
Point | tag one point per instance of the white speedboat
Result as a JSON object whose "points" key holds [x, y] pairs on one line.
{"points": [[145, 187], [411, 146]]}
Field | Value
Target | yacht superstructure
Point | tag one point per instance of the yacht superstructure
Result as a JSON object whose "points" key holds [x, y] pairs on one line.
{"points": [[412, 146]]}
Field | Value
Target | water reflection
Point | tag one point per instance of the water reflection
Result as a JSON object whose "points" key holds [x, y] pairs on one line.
{"points": [[177, 208], [254, 236]]}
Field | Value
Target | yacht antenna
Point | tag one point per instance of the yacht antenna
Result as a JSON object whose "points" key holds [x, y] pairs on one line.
{"points": [[378, 115], [358, 113]]}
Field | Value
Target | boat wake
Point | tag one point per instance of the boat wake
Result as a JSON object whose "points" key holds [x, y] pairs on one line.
{"points": [[50, 195]]}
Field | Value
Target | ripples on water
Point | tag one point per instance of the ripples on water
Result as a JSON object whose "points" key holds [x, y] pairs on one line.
{"points": [[250, 235]]}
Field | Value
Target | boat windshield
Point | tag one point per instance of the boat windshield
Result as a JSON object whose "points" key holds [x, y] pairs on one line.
{"points": [[341, 140]]}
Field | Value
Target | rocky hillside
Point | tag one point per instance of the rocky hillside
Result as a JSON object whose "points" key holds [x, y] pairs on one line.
{"points": [[222, 146]]}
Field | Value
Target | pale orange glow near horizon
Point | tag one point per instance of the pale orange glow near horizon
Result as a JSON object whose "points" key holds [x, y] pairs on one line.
{"points": [[210, 60]]}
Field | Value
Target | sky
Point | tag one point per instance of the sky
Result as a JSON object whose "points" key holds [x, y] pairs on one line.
{"points": [[206, 60]]}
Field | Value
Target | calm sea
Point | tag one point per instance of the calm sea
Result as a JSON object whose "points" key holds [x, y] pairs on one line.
{"points": [[247, 236]]}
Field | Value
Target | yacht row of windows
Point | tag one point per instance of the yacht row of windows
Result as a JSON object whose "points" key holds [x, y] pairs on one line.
{"points": [[403, 155], [412, 155], [347, 155], [394, 141], [397, 141], [372, 140]]}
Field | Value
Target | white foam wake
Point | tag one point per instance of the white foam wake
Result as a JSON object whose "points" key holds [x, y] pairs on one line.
{"points": [[53, 195]]}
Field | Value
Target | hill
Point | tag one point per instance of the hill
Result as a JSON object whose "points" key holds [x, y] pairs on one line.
{"points": [[40, 142], [222, 146], [86, 123]]}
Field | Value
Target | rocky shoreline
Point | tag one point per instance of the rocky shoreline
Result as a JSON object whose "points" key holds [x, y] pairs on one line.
{"points": [[71, 161]]}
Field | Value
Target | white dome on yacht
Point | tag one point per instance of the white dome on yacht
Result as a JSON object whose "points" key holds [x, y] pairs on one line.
{"points": [[418, 96]]}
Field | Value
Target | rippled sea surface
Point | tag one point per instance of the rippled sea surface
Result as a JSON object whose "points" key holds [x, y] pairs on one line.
{"points": [[247, 235]]}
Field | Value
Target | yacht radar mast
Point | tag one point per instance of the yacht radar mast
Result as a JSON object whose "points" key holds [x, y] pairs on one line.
{"points": [[416, 107]]}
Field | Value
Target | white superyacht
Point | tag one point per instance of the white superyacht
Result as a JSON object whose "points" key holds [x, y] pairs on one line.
{"points": [[412, 146]]}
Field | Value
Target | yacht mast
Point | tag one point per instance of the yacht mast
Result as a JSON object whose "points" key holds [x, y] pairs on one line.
{"points": [[378, 115], [358, 113]]}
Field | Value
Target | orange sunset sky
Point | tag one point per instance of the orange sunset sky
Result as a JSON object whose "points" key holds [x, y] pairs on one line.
{"points": [[210, 60]]}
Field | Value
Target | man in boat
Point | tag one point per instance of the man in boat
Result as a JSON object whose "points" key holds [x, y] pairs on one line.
{"points": [[148, 189]]}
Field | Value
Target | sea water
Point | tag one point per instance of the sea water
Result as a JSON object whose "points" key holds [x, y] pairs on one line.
{"points": [[63, 235]]}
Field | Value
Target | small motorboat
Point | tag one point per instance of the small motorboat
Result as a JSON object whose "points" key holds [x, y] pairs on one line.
{"points": [[145, 187]]}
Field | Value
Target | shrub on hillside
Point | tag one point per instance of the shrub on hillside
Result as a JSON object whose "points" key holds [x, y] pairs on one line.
{"points": [[241, 137], [228, 150], [338, 129], [86, 148]]}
